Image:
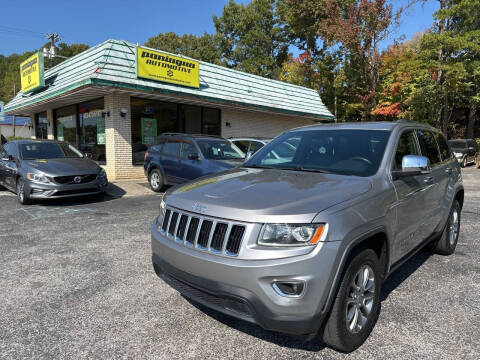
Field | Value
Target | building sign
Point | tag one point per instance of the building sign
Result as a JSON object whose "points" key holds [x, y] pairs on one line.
{"points": [[149, 131], [2, 113], [31, 73], [100, 130], [160, 66]]}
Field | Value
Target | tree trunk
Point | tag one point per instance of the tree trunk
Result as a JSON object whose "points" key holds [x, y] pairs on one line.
{"points": [[472, 117], [439, 81], [445, 116]]}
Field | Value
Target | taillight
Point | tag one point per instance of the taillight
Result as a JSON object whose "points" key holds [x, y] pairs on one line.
{"points": [[146, 155]]}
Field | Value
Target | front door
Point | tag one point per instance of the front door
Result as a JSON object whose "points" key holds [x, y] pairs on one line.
{"points": [[191, 168], [171, 161], [409, 206]]}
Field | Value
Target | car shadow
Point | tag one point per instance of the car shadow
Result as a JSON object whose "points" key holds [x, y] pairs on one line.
{"points": [[315, 345]]}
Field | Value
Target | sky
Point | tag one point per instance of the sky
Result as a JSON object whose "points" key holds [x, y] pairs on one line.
{"points": [[24, 23]]}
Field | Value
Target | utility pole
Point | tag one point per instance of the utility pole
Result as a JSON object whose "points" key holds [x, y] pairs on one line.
{"points": [[51, 53], [14, 117]]}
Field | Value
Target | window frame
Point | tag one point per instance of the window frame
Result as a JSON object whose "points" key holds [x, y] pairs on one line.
{"points": [[417, 145]]}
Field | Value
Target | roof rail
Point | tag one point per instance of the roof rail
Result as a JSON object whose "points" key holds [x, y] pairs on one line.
{"points": [[402, 120], [190, 135]]}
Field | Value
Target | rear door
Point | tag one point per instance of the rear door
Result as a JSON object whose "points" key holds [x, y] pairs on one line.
{"points": [[434, 181], [170, 160], [190, 168], [10, 167], [410, 199]]}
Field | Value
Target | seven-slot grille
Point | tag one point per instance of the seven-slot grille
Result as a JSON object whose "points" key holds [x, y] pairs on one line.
{"points": [[217, 236]]}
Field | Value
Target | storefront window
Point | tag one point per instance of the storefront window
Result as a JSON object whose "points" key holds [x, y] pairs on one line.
{"points": [[41, 126], [150, 119], [211, 122], [192, 117], [66, 124], [92, 129]]}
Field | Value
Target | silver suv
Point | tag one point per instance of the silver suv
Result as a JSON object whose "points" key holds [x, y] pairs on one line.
{"points": [[301, 243]]}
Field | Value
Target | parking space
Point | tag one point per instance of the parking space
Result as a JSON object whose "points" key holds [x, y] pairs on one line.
{"points": [[76, 282]]}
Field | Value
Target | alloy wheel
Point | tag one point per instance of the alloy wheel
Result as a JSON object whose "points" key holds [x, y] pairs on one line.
{"points": [[454, 225], [360, 298], [155, 180]]}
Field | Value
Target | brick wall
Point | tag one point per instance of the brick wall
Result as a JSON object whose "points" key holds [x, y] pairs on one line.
{"points": [[251, 123], [118, 133]]}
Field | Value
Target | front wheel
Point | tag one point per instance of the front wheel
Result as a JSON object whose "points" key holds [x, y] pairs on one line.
{"points": [[464, 162], [22, 195], [447, 243], [356, 305], [155, 180]]}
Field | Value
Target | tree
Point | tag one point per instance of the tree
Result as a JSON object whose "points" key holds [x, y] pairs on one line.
{"points": [[251, 38], [205, 47]]}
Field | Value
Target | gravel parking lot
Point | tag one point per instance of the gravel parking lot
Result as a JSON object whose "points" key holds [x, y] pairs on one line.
{"points": [[76, 281]]}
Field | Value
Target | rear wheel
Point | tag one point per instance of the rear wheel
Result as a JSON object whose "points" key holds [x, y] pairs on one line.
{"points": [[355, 308], [155, 180], [22, 195], [447, 242], [464, 162]]}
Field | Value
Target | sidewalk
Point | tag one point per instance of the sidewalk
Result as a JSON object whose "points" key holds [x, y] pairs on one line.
{"points": [[129, 188]]}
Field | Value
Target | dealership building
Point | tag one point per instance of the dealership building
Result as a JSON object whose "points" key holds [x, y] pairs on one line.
{"points": [[112, 100]]}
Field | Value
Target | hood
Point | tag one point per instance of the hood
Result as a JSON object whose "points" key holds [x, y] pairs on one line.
{"points": [[266, 195], [63, 167], [228, 164]]}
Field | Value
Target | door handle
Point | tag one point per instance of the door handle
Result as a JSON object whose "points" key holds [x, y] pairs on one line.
{"points": [[428, 179], [448, 170]]}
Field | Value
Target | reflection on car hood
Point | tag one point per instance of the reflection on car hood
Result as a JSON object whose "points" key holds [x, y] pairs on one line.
{"points": [[257, 195], [228, 164], [63, 167]]}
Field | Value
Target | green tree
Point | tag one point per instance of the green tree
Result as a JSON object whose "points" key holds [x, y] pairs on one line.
{"points": [[251, 37], [205, 47]]}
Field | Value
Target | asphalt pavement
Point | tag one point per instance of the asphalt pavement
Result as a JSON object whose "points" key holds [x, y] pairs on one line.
{"points": [[76, 281]]}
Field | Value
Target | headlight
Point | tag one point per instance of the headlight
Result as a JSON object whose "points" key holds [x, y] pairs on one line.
{"points": [[292, 234], [458, 154], [163, 206], [39, 178]]}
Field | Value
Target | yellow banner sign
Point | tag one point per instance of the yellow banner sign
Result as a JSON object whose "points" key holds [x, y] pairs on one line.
{"points": [[157, 65], [31, 73]]}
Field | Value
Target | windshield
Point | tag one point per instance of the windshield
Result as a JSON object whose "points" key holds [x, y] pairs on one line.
{"points": [[39, 150], [346, 152], [220, 150], [459, 144]]}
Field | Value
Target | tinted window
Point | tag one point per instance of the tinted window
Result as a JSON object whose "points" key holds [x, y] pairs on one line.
{"points": [[32, 151], [187, 149], [171, 148], [347, 152], [242, 145], [219, 150], [457, 144], [429, 146], [443, 146], [407, 145]]}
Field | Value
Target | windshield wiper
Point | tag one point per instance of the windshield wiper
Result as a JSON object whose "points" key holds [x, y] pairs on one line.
{"points": [[301, 168], [255, 166]]}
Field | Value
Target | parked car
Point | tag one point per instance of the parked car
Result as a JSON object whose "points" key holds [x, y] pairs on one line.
{"points": [[465, 150], [39, 170], [176, 158], [303, 246], [250, 144]]}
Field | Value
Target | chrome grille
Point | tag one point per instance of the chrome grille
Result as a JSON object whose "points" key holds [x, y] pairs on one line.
{"points": [[203, 233]]}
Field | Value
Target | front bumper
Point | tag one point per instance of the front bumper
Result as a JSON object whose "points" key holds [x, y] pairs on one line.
{"points": [[243, 288], [55, 191]]}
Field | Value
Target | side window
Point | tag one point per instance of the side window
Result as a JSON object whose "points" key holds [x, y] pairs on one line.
{"points": [[429, 146], [11, 149], [255, 146], [171, 148], [187, 149], [158, 145], [242, 145], [406, 146], [443, 146]]}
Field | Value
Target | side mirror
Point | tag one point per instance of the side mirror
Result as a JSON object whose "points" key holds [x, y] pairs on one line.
{"points": [[193, 156], [412, 165], [249, 155]]}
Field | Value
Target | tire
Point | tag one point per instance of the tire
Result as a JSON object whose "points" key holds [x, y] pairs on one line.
{"points": [[447, 242], [155, 179], [22, 196], [341, 332]]}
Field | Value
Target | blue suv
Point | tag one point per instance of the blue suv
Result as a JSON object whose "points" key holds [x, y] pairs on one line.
{"points": [[176, 158]]}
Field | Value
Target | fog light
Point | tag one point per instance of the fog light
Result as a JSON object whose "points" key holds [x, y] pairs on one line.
{"points": [[289, 288]]}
